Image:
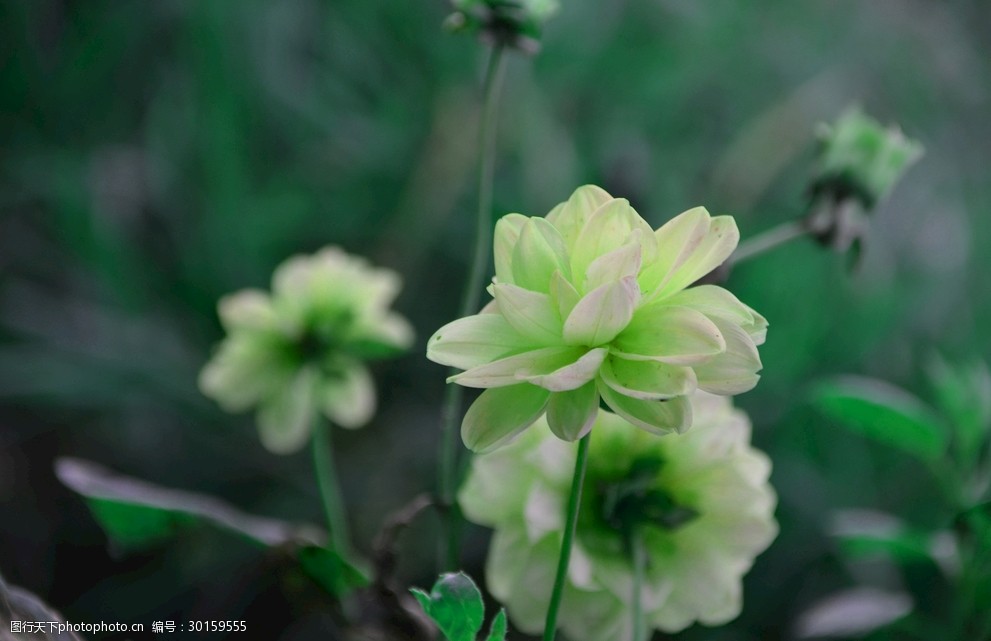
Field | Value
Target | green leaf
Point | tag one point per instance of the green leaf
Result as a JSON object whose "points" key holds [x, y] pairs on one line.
{"points": [[330, 570], [497, 632], [885, 413], [455, 604]]}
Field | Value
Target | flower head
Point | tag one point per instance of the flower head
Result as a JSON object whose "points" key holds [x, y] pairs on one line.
{"points": [[591, 303], [299, 350], [699, 503]]}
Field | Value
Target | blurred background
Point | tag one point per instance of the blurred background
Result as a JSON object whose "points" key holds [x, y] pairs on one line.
{"points": [[155, 156]]}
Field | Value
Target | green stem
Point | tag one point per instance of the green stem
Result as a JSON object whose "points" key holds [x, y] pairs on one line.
{"points": [[768, 240], [330, 492], [470, 302], [574, 500], [639, 567]]}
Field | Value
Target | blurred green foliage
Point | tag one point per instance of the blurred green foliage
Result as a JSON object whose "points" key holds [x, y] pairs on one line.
{"points": [[156, 156]]}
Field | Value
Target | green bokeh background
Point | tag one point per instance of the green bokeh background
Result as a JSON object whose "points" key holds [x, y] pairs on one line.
{"points": [[157, 155]]}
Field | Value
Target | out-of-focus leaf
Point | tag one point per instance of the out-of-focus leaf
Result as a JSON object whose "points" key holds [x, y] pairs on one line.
{"points": [[455, 605], [963, 394], [852, 613], [330, 570], [136, 514], [867, 533], [18, 605], [884, 413]]}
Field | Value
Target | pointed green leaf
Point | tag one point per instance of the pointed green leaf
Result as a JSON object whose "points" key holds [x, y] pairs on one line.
{"points": [[330, 570], [497, 632]]}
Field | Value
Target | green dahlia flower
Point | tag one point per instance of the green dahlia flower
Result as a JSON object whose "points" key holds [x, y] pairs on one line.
{"points": [[299, 350], [699, 503], [591, 303]]}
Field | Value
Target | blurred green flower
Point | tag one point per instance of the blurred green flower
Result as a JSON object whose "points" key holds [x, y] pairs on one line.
{"points": [[859, 157], [591, 303], [298, 351], [699, 503], [514, 23]]}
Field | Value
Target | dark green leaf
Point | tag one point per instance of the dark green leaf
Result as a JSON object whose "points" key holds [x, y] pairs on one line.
{"points": [[330, 570], [884, 413], [497, 632], [455, 605]]}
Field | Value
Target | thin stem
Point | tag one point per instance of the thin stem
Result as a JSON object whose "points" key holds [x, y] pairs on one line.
{"points": [[469, 303], [330, 492], [574, 500], [639, 567], [768, 240]]}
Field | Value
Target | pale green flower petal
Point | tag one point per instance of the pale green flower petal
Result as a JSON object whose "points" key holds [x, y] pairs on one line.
{"points": [[475, 340], [735, 370], [720, 241], [247, 309], [520, 574], [602, 313], [563, 294], [529, 365], [539, 253], [572, 217], [543, 512], [349, 401], [506, 235], [530, 313], [713, 301], [496, 490], [569, 377], [617, 264], [657, 417], [285, 419], [648, 380], [245, 369], [501, 413], [608, 229], [571, 414], [676, 335]]}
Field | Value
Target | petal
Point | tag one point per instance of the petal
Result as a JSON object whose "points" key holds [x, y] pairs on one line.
{"points": [[572, 414], [564, 296], [497, 486], [648, 380], [530, 313], [615, 265], [475, 340], [734, 371], [714, 301], [571, 376], [657, 417], [246, 368], [539, 253], [608, 229], [349, 400], [500, 414], [248, 309], [569, 218], [602, 313], [676, 335], [517, 368], [507, 233], [689, 246], [285, 419]]}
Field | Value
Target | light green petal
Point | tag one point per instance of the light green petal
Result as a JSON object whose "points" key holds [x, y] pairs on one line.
{"points": [[496, 488], [563, 294], [249, 309], [735, 370], [602, 313], [500, 414], [570, 218], [387, 328], [285, 419], [616, 265], [571, 414], [539, 253], [676, 335], [475, 340], [349, 401], [657, 417], [520, 574], [689, 246], [608, 229], [648, 380], [570, 376], [246, 368], [530, 313], [713, 301], [507, 233], [527, 365]]}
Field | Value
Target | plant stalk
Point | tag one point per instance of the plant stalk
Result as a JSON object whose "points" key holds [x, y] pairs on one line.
{"points": [[454, 394], [330, 491], [571, 523], [768, 240]]}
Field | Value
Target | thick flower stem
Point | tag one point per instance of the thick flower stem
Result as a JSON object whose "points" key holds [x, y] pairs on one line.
{"points": [[330, 493], [639, 567], [571, 522], [470, 301]]}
